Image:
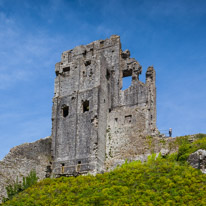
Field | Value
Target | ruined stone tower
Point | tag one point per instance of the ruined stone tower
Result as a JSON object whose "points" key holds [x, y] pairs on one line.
{"points": [[93, 119]]}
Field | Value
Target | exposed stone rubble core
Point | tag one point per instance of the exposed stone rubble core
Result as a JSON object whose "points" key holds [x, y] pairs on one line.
{"points": [[93, 119], [22, 159], [198, 160]]}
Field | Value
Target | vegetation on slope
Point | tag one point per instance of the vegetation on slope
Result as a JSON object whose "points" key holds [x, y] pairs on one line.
{"points": [[18, 186], [159, 181]]}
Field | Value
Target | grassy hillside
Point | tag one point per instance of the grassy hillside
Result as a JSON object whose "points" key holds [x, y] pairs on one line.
{"points": [[159, 181]]}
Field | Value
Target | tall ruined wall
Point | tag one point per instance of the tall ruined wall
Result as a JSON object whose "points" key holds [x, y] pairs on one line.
{"points": [[89, 101], [81, 91], [132, 116], [22, 159]]}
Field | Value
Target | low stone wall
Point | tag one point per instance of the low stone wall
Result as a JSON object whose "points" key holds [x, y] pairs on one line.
{"points": [[37, 156], [132, 148], [22, 159]]}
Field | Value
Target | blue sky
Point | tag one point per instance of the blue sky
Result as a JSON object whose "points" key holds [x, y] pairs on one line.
{"points": [[170, 35]]}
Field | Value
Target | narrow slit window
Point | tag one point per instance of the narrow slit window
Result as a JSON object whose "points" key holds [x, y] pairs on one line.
{"points": [[84, 53], [85, 106], [62, 168], [108, 74], [78, 167], [65, 110]]}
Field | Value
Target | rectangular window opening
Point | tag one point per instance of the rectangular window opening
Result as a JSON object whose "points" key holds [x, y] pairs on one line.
{"points": [[78, 166], [108, 74], [126, 82], [65, 110], [57, 73], [101, 43], [66, 69], [62, 168], [85, 106], [84, 53], [126, 78], [128, 119]]}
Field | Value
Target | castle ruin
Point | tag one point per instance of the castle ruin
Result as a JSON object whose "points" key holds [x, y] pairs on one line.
{"points": [[93, 119]]}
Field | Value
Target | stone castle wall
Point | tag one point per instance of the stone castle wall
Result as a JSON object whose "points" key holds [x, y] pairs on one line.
{"points": [[95, 124], [91, 76], [22, 159]]}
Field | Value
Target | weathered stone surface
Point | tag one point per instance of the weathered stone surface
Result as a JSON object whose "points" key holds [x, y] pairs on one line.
{"points": [[198, 160], [138, 148], [95, 124], [93, 119], [164, 152], [22, 159]]}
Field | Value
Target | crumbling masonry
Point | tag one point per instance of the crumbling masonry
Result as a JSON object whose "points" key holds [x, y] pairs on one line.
{"points": [[93, 119]]}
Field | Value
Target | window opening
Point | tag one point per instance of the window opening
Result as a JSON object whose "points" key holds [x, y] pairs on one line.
{"points": [[57, 73], [126, 82], [85, 106], [116, 119], [128, 119], [102, 43], [65, 110], [91, 73], [66, 69], [62, 167], [108, 74], [126, 78], [87, 63], [78, 167], [92, 50], [84, 54]]}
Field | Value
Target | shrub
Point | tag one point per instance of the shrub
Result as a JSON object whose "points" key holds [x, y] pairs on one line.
{"points": [[17, 187], [186, 148], [158, 181]]}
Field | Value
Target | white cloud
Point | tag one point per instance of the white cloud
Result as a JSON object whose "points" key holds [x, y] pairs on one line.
{"points": [[22, 54]]}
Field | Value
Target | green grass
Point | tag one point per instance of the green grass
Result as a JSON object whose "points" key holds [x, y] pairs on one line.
{"points": [[159, 181]]}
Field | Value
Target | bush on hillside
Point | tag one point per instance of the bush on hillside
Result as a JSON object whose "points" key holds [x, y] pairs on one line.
{"points": [[156, 182], [159, 181], [186, 148], [17, 187]]}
